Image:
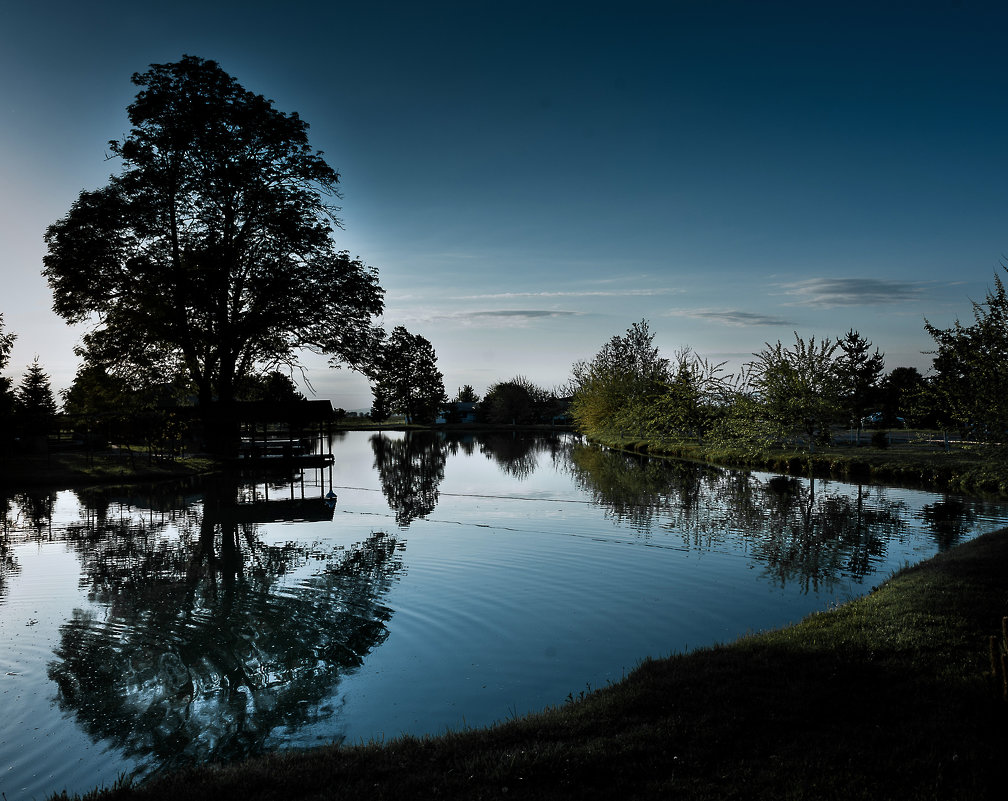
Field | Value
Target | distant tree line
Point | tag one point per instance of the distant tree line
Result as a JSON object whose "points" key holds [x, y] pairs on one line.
{"points": [[799, 392]]}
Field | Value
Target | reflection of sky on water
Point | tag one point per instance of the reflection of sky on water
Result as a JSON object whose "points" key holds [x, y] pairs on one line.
{"points": [[455, 582]]}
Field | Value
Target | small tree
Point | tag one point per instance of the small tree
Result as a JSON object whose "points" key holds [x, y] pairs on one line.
{"points": [[516, 401], [971, 368], [380, 409], [619, 381], [902, 394], [693, 399], [858, 372], [406, 374], [797, 387], [34, 404], [467, 394]]}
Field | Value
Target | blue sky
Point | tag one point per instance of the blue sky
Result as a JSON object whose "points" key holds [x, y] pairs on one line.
{"points": [[530, 179]]}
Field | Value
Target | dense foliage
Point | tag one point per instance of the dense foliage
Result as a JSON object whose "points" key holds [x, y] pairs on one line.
{"points": [[971, 368], [405, 378], [798, 388], [34, 404], [517, 401], [784, 395], [619, 383], [211, 253]]}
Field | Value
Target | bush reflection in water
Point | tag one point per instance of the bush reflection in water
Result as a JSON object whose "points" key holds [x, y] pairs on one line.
{"points": [[204, 649], [797, 533]]}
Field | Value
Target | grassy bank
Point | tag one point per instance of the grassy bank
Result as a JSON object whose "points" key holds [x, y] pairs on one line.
{"points": [[884, 697], [77, 468], [967, 469]]}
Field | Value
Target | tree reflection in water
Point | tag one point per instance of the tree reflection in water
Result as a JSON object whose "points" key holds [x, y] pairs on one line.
{"points": [[203, 648], [798, 534], [517, 453], [8, 564], [950, 519], [410, 470]]}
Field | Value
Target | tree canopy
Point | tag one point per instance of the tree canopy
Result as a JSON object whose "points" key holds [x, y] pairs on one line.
{"points": [[211, 253], [406, 379], [798, 386], [858, 372], [34, 403], [971, 367], [625, 374]]}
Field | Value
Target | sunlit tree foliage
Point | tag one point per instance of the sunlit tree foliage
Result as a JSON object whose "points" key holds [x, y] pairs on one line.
{"points": [[797, 387], [617, 384]]}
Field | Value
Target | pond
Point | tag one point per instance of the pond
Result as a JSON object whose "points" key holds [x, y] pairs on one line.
{"points": [[424, 582]]}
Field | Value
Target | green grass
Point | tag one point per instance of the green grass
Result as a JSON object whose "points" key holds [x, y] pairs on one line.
{"points": [[884, 697]]}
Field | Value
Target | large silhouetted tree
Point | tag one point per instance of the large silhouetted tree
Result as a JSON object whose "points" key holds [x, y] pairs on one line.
{"points": [[211, 253]]}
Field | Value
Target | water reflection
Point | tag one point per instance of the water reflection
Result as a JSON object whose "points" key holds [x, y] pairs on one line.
{"points": [[411, 468], [797, 534], [517, 453], [205, 644], [8, 564], [410, 471], [201, 630], [950, 519]]}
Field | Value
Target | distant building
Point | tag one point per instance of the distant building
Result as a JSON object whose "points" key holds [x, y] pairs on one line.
{"points": [[457, 412]]}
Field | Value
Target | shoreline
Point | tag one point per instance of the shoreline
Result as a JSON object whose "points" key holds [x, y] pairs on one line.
{"points": [[961, 471]]}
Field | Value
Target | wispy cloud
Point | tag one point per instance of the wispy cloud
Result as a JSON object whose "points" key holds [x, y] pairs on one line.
{"points": [[568, 293], [825, 293], [504, 317], [731, 317], [525, 313]]}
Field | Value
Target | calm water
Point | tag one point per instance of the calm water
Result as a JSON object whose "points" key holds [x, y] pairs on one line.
{"points": [[450, 583]]}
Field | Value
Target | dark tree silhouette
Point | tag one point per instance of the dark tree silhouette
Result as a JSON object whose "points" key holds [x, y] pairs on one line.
{"points": [[901, 393], [211, 253], [407, 378], [274, 386], [467, 394], [517, 400], [34, 403], [858, 373]]}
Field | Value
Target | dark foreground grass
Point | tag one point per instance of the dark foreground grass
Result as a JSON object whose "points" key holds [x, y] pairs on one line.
{"points": [[884, 697]]}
